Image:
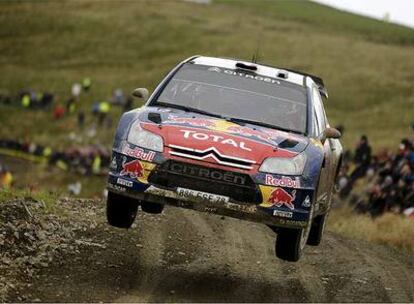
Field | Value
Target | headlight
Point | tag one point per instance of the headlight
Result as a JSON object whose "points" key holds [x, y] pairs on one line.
{"points": [[285, 166], [145, 139]]}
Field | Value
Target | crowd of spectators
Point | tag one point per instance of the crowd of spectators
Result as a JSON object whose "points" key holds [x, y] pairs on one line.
{"points": [[387, 179], [86, 160], [46, 101], [82, 158]]}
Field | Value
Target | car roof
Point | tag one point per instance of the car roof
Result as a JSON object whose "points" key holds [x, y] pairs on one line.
{"points": [[262, 70]]}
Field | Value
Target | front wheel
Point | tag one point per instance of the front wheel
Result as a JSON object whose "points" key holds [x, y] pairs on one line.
{"points": [[317, 229], [120, 210], [290, 243]]}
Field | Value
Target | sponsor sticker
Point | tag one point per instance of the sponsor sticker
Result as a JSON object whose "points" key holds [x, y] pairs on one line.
{"points": [[117, 187], [196, 122], [245, 75], [280, 197], [283, 213], [189, 194], [243, 208], [191, 134], [210, 209], [306, 202], [113, 165], [124, 182], [281, 182], [250, 132], [132, 169], [139, 153]]}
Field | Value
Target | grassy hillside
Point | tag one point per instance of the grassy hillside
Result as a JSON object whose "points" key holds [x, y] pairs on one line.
{"points": [[368, 65]]}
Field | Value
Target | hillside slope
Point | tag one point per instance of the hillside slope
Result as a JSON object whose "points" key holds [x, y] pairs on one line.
{"points": [[368, 65]]}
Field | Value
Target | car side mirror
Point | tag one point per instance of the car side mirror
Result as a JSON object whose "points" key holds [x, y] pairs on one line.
{"points": [[329, 133], [141, 93], [332, 133]]}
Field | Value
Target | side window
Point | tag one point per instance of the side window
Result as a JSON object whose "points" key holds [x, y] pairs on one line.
{"points": [[320, 113], [315, 124]]}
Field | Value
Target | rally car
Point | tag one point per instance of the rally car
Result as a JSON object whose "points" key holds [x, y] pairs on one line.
{"points": [[233, 138]]}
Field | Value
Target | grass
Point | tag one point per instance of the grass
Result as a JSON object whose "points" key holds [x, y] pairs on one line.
{"points": [[389, 229], [368, 65], [49, 198]]}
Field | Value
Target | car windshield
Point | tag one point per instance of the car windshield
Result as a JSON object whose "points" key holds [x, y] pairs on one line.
{"points": [[238, 94]]}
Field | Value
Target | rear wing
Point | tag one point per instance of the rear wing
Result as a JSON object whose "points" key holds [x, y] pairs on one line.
{"points": [[321, 86]]}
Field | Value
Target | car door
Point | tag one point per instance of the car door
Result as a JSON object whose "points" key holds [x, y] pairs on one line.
{"points": [[325, 175]]}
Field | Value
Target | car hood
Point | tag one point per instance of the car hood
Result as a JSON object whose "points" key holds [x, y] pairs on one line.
{"points": [[188, 131]]}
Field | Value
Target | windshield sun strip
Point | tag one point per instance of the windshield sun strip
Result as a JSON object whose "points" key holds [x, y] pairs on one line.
{"points": [[241, 90]]}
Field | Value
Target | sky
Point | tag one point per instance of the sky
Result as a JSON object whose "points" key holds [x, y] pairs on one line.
{"points": [[400, 11]]}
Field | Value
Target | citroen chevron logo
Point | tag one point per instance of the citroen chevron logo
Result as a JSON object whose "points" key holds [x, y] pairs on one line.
{"points": [[213, 153]]}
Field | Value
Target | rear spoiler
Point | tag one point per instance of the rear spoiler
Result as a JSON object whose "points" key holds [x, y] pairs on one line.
{"points": [[321, 86]]}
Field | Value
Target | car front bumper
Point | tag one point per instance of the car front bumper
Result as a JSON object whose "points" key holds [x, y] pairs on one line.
{"points": [[143, 177], [231, 208]]}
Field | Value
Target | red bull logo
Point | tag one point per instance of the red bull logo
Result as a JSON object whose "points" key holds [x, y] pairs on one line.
{"points": [[133, 169], [196, 122], [280, 197], [251, 133], [139, 153], [281, 182]]}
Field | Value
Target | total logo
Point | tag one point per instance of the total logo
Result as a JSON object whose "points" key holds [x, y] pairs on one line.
{"points": [[190, 134], [281, 182], [139, 153], [132, 169], [280, 197]]}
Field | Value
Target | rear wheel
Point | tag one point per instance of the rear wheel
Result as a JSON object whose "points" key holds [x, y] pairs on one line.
{"points": [[290, 243], [153, 208], [317, 229], [120, 210]]}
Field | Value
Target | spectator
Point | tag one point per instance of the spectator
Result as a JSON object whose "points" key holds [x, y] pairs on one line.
{"points": [[118, 97], [26, 101], [86, 84], [58, 111], [76, 90], [71, 105], [6, 178], [362, 158], [128, 104], [81, 119], [104, 108]]}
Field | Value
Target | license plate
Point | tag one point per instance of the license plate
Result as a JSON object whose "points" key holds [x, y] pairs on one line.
{"points": [[188, 193]]}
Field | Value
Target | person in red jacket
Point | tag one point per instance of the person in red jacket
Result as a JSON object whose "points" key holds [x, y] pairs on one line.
{"points": [[58, 111]]}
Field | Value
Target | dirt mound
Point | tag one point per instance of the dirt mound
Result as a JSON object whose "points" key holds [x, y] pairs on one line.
{"points": [[183, 255], [33, 237]]}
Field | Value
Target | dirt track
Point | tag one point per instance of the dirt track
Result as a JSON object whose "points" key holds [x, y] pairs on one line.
{"points": [[187, 256]]}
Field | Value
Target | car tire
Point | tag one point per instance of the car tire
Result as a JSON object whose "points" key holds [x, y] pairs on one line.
{"points": [[152, 208], [120, 210], [290, 243], [317, 230]]}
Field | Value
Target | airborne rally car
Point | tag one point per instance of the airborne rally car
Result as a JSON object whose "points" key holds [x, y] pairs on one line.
{"points": [[233, 138]]}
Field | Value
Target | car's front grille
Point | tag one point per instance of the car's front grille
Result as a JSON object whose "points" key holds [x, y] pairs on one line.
{"points": [[213, 153], [238, 186]]}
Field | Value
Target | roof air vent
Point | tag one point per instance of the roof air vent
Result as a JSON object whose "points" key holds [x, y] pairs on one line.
{"points": [[243, 66], [282, 74]]}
